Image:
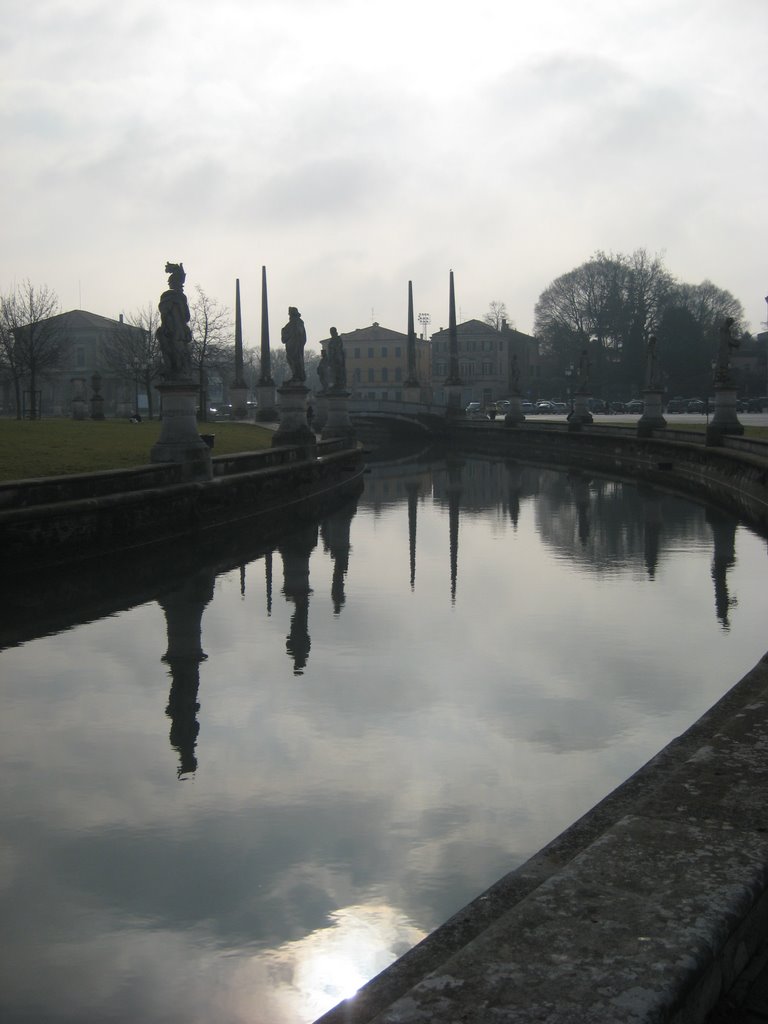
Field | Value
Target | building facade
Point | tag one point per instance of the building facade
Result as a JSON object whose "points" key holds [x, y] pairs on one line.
{"points": [[489, 361], [377, 362]]}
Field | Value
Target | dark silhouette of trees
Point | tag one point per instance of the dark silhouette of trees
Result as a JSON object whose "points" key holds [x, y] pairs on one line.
{"points": [[31, 343], [212, 341], [133, 353], [611, 305]]}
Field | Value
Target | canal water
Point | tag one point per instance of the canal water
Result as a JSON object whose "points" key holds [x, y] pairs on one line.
{"points": [[239, 790]]}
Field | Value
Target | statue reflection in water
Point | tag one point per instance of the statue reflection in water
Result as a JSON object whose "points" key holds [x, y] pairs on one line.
{"points": [[335, 533], [183, 616], [724, 536], [295, 552]]}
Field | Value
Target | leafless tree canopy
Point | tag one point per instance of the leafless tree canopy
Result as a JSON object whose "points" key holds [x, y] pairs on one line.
{"points": [[31, 344]]}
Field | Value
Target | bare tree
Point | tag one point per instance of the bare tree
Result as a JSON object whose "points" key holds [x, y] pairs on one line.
{"points": [[212, 335], [497, 315], [30, 339], [133, 352]]}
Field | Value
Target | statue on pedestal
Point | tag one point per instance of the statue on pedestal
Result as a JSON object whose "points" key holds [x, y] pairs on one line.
{"points": [[323, 371], [651, 364], [337, 359], [294, 337], [727, 342], [173, 335]]}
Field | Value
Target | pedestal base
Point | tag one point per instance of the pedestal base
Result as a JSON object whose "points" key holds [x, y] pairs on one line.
{"points": [[652, 418], [725, 420], [338, 424], [266, 408], [179, 440], [321, 411], [292, 410], [453, 406], [238, 395], [515, 414], [581, 416]]}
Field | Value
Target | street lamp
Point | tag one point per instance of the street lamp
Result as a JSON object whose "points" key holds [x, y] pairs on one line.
{"points": [[424, 319]]}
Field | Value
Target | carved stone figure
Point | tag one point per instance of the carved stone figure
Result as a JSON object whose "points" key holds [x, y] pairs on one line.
{"points": [[727, 342], [514, 374], [294, 337], [651, 363], [173, 335], [337, 359], [323, 371], [584, 367]]}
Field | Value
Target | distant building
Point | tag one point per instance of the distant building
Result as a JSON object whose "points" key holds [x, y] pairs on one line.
{"points": [[486, 361], [377, 362], [82, 336]]}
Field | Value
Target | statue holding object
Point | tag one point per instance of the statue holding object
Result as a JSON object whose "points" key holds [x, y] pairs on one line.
{"points": [[337, 360], [173, 335]]}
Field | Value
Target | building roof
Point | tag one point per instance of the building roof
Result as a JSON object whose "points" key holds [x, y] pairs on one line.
{"points": [[374, 333], [480, 327], [77, 319]]}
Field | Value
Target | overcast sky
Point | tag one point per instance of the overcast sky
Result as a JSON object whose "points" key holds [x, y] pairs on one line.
{"points": [[351, 146]]}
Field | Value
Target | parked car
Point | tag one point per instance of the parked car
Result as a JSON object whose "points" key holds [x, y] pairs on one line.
{"points": [[695, 405], [597, 405], [545, 407], [529, 409], [472, 407], [637, 405], [677, 404], [617, 407], [757, 404]]}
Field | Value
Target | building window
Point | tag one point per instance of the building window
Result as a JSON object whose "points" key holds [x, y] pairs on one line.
{"points": [[398, 352], [357, 352], [371, 377], [439, 369], [384, 352], [384, 375], [385, 396], [370, 353], [398, 373], [356, 375], [80, 356]]}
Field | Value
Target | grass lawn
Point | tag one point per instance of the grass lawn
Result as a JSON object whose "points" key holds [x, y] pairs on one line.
{"points": [[54, 447]]}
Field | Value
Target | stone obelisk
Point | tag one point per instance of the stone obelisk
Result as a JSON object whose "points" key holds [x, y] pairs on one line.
{"points": [[238, 390], [266, 409], [453, 383], [411, 387]]}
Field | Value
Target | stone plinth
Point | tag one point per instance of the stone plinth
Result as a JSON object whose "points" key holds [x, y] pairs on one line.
{"points": [[581, 414], [338, 424], [179, 440], [238, 396], [725, 420], [292, 412], [453, 406], [652, 418], [266, 408], [321, 411], [515, 414], [78, 398]]}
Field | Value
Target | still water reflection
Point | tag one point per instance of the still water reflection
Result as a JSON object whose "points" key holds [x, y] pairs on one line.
{"points": [[239, 800]]}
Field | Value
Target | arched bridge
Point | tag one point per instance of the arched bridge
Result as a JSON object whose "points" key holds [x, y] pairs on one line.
{"points": [[401, 418]]}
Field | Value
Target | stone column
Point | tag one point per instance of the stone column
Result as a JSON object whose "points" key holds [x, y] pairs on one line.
{"points": [[581, 414], [453, 385], [179, 439], [652, 418], [338, 424], [725, 420], [292, 410], [266, 407]]}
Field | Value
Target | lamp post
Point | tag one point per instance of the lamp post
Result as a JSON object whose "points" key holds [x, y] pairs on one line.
{"points": [[425, 319]]}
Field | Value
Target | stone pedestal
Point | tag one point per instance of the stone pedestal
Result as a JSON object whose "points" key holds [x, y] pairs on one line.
{"points": [[179, 440], [97, 399], [652, 418], [725, 420], [515, 414], [238, 396], [292, 411], [78, 398], [338, 424], [321, 411], [266, 408], [581, 414], [453, 406]]}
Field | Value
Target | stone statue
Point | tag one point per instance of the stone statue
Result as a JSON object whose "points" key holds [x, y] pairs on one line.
{"points": [[337, 359], [727, 342], [294, 337], [583, 377], [173, 335], [514, 374], [651, 363], [323, 371]]}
